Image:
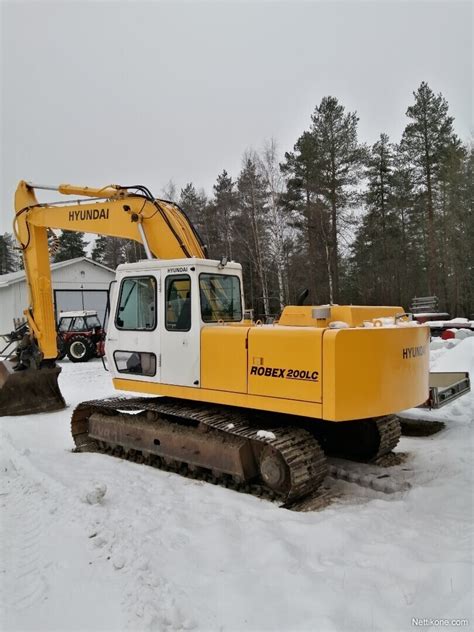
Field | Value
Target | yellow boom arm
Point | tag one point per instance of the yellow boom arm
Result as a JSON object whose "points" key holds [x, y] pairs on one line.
{"points": [[162, 227]]}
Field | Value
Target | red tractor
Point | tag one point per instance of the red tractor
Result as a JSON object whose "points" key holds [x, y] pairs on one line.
{"points": [[80, 336]]}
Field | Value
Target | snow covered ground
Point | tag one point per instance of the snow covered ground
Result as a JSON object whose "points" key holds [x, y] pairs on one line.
{"points": [[160, 552]]}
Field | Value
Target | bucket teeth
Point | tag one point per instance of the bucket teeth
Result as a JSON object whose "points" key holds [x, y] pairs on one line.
{"points": [[29, 391]]}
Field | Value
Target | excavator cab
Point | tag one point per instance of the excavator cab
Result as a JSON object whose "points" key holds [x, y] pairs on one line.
{"points": [[158, 311]]}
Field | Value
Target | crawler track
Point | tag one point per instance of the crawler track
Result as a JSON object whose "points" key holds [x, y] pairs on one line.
{"points": [[389, 435], [365, 440], [205, 440], [292, 452]]}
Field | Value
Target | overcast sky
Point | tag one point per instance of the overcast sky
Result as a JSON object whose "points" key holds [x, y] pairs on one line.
{"points": [[144, 92]]}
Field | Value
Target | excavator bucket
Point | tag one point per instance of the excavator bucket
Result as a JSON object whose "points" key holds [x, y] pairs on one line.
{"points": [[29, 391]]}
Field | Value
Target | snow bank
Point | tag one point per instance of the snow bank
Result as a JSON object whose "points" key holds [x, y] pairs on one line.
{"points": [[459, 358]]}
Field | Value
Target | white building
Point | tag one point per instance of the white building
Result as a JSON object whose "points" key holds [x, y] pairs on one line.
{"points": [[77, 284]]}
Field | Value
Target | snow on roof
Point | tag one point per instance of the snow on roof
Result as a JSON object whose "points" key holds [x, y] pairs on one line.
{"points": [[455, 322], [80, 312], [428, 314], [16, 277]]}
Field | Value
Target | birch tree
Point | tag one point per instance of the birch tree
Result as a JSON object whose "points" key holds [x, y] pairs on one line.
{"points": [[279, 229]]}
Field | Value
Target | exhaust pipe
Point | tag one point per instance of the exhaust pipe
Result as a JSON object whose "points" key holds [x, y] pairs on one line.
{"points": [[29, 391]]}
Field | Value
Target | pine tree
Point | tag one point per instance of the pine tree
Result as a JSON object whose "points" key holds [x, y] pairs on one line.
{"points": [[9, 258], [427, 141], [222, 214], [133, 251], [308, 216], [408, 243], [98, 249], [379, 220], [339, 161], [455, 231], [252, 232], [109, 251], [71, 245], [323, 172], [194, 204], [464, 245]]}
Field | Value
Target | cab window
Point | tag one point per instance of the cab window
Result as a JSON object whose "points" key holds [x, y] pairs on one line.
{"points": [[220, 298], [80, 324], [92, 322], [137, 362], [178, 302], [136, 308], [64, 324]]}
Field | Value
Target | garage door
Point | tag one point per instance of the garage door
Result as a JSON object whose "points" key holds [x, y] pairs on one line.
{"points": [[68, 300]]}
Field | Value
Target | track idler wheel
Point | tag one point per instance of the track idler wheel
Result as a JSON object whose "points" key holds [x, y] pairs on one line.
{"points": [[274, 470]]}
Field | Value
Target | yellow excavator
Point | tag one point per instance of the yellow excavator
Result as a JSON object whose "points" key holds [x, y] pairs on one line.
{"points": [[249, 403]]}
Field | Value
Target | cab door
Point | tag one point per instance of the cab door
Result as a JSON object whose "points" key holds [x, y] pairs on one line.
{"points": [[180, 355], [132, 342]]}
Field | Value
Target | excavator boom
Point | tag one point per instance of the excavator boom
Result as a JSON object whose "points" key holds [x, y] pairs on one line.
{"points": [[29, 382]]}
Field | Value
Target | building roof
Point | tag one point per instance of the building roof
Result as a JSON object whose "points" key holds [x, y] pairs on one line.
{"points": [[16, 277]]}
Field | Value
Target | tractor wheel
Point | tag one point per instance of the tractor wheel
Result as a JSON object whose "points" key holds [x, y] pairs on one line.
{"points": [[80, 349], [62, 348]]}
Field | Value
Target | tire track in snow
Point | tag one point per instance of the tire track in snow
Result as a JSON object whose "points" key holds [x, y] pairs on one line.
{"points": [[31, 499], [28, 584], [23, 533]]}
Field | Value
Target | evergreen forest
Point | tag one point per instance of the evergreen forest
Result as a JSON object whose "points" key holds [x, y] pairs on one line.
{"points": [[350, 222]]}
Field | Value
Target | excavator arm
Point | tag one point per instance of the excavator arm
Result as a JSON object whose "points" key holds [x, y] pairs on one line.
{"points": [[29, 384], [125, 212]]}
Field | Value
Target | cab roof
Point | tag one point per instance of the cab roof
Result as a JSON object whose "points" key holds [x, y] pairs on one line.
{"points": [[77, 313]]}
